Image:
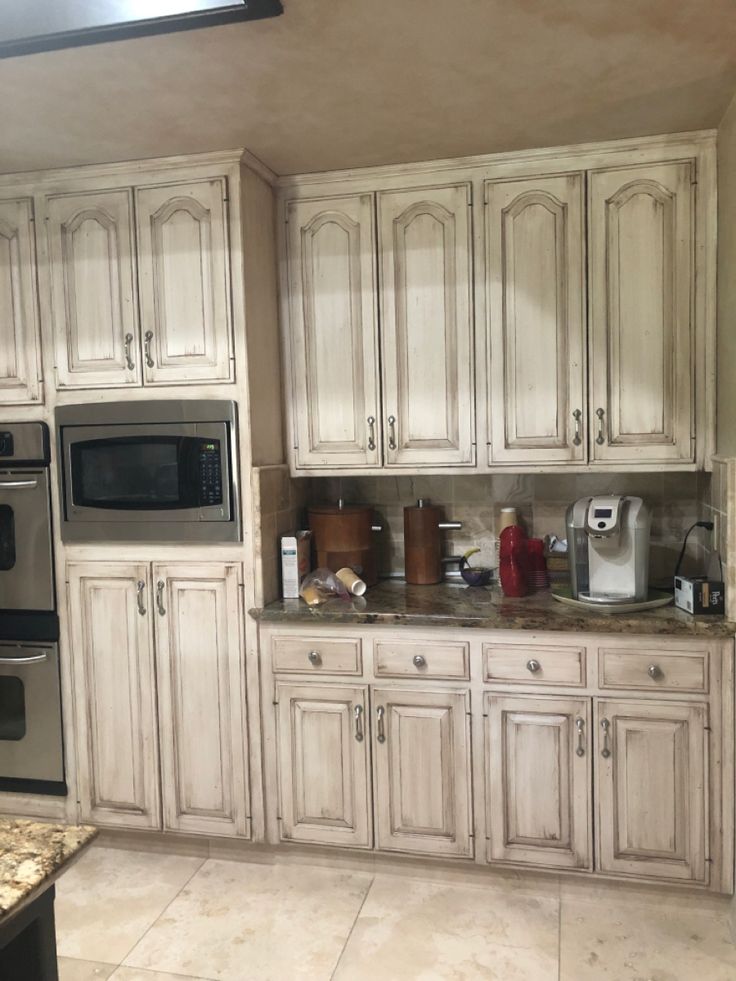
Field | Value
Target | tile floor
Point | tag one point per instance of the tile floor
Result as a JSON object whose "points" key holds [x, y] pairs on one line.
{"points": [[132, 916]]}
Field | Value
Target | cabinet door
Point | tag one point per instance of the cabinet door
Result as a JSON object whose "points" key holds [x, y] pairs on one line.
{"points": [[641, 291], [333, 332], [422, 771], [652, 780], [115, 691], [538, 789], [535, 279], [324, 777], [184, 276], [427, 326], [94, 311], [19, 325], [201, 678]]}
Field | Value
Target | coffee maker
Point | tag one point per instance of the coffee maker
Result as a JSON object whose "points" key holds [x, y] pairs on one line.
{"points": [[608, 545]]}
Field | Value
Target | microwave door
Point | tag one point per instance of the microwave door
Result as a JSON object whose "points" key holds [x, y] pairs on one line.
{"points": [[26, 565]]}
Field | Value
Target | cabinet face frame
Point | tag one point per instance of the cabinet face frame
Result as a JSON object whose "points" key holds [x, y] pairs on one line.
{"points": [[514, 727], [103, 220], [442, 219], [530, 209], [22, 344], [352, 218]]}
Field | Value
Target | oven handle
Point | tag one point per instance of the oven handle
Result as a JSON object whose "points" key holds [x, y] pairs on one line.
{"points": [[36, 659], [17, 484]]}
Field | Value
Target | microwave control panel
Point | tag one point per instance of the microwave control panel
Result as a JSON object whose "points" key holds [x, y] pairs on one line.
{"points": [[210, 474]]}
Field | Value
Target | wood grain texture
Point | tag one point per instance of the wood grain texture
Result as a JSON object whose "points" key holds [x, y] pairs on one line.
{"points": [[20, 371]]}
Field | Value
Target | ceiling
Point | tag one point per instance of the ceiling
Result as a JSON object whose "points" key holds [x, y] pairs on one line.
{"points": [[343, 83]]}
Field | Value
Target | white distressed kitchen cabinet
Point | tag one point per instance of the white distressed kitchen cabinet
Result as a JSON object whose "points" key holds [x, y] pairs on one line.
{"points": [[538, 772], [92, 279], [334, 332], [426, 293], [201, 697], [158, 662], [652, 779], [641, 313], [115, 694], [422, 771], [184, 282], [20, 374], [323, 764], [535, 281]]}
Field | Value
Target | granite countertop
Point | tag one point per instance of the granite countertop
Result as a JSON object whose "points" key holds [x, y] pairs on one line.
{"points": [[33, 853], [393, 602]]}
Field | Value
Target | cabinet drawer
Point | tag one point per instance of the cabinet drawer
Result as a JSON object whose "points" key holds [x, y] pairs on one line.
{"points": [[402, 660], [644, 670], [312, 655], [534, 664]]}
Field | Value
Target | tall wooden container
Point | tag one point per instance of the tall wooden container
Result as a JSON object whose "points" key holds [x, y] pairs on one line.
{"points": [[343, 536], [423, 544]]}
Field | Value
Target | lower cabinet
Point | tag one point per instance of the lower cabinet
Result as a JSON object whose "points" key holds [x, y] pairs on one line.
{"points": [[420, 742], [159, 676], [538, 780]]}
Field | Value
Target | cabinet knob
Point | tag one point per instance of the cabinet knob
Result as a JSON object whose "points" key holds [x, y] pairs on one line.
{"points": [[533, 666], [420, 661], [654, 671], [314, 657]]}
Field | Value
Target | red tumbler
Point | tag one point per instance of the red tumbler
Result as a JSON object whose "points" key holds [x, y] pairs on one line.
{"points": [[536, 570], [513, 561]]}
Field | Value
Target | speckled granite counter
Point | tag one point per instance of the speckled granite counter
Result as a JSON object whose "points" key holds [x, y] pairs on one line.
{"points": [[394, 603], [32, 853]]}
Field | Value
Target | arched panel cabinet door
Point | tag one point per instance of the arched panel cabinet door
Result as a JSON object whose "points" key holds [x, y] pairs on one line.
{"points": [[424, 242], [94, 310], [20, 376], [333, 332], [184, 282], [535, 275], [641, 319]]}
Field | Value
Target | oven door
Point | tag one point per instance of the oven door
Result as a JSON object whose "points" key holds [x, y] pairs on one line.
{"points": [[157, 473], [31, 754], [26, 569]]}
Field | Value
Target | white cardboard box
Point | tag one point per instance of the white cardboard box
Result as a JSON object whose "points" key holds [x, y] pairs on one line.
{"points": [[295, 562]]}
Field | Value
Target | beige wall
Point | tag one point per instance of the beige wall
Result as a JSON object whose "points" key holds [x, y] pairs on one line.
{"points": [[726, 427]]}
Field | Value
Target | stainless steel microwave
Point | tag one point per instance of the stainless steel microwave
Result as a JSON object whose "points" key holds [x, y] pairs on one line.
{"points": [[149, 471]]}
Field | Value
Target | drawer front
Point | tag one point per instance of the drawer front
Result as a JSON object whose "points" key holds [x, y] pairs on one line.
{"points": [[316, 655], [645, 670], [402, 660], [534, 664]]}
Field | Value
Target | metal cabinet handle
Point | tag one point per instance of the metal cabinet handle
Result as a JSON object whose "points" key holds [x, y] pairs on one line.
{"points": [[358, 712], [380, 728], [420, 661], [34, 659], [605, 726], [577, 416], [128, 360], [580, 726], [160, 598], [392, 432], [314, 657], [147, 338], [533, 666], [18, 484], [140, 586], [371, 433], [599, 438], [654, 671]]}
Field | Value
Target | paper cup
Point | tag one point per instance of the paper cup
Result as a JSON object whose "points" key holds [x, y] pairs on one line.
{"points": [[354, 584]]}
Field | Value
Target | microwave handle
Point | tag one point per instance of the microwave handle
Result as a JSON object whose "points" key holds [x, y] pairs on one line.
{"points": [[18, 484], [35, 659]]}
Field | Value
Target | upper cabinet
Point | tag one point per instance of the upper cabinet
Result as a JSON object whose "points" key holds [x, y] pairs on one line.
{"points": [[184, 278], [334, 331], [427, 326], [641, 302], [535, 280], [20, 376], [94, 311], [139, 285]]}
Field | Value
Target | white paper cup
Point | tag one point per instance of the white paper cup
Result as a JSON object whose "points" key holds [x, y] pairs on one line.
{"points": [[354, 584]]}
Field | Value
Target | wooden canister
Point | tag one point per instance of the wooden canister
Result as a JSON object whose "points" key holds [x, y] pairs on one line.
{"points": [[343, 536], [423, 543]]}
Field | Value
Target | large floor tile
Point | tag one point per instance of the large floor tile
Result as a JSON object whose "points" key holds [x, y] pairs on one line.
{"points": [[432, 931], [71, 969], [605, 942], [139, 974], [239, 922], [107, 901]]}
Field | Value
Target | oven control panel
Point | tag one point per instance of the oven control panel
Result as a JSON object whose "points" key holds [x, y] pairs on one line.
{"points": [[6, 443], [210, 474]]}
